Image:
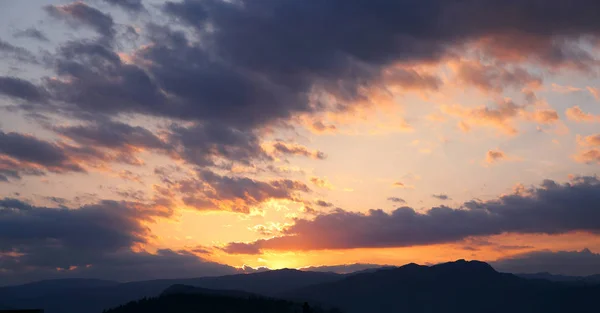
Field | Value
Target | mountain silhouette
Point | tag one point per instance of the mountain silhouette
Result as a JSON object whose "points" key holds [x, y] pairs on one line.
{"points": [[191, 290], [45, 287], [94, 299], [198, 301], [592, 279], [459, 286]]}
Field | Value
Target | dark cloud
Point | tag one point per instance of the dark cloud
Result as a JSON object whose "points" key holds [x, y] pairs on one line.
{"points": [[31, 33], [105, 226], [260, 61], [43, 238], [29, 149], [212, 143], [573, 263], [8, 50], [127, 266], [211, 191], [551, 209], [295, 149], [82, 14], [442, 197], [253, 64], [131, 5], [21, 89], [494, 156], [96, 147], [324, 204], [91, 241], [96, 82], [396, 200], [111, 134], [13, 170]]}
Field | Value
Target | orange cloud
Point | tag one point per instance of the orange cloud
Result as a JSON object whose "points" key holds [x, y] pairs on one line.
{"points": [[402, 185], [503, 117], [588, 149], [576, 114], [321, 182], [565, 89], [495, 78], [594, 92]]}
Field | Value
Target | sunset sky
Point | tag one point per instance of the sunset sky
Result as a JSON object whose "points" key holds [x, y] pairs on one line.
{"points": [[148, 139]]}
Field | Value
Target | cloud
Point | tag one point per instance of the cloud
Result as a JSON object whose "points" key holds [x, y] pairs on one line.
{"points": [[39, 240], [105, 226], [212, 143], [211, 191], [130, 176], [588, 149], [92, 241], [295, 149], [401, 185], [117, 141], [321, 182], [112, 134], [502, 117], [80, 13], [21, 89], [8, 50], [246, 88], [495, 156], [565, 89], [131, 5], [442, 197], [576, 114], [31, 33], [22, 154], [594, 92], [495, 78], [396, 200], [324, 204], [32, 152], [13, 170], [119, 265], [550, 208], [229, 90], [475, 243], [571, 263], [319, 127]]}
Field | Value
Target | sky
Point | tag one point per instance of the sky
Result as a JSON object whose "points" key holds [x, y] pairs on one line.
{"points": [[160, 139]]}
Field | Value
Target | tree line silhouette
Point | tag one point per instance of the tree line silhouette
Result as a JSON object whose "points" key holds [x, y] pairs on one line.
{"points": [[200, 303]]}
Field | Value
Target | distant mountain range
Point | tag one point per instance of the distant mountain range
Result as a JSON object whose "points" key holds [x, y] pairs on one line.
{"points": [[459, 286], [593, 279], [93, 296], [450, 287]]}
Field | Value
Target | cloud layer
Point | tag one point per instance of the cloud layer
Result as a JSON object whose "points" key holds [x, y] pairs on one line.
{"points": [[95, 240], [551, 208]]}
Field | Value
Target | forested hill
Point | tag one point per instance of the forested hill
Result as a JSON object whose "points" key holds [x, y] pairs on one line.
{"points": [[210, 303]]}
